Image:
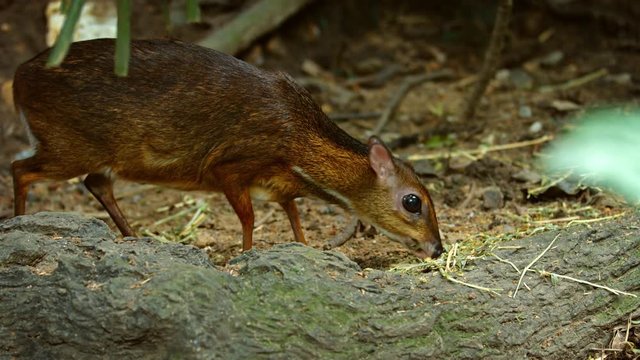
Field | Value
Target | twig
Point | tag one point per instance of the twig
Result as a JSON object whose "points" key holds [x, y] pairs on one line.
{"points": [[172, 217], [550, 274], [408, 83], [344, 236], [376, 79], [506, 261], [524, 271], [188, 201], [491, 59], [626, 337], [451, 261], [551, 221], [588, 221], [606, 349], [575, 82], [477, 287], [198, 217], [415, 267], [481, 150]]}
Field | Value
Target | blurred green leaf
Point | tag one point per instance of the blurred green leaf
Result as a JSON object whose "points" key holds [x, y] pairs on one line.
{"points": [[436, 109], [65, 38], [438, 141], [604, 149], [123, 39]]}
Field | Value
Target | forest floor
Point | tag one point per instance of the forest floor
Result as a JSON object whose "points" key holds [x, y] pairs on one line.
{"points": [[484, 175]]}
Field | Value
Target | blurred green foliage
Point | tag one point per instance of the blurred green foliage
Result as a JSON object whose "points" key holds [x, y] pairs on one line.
{"points": [[72, 10], [603, 149]]}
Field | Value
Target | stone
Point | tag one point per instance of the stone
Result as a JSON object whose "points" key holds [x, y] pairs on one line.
{"points": [[492, 198]]}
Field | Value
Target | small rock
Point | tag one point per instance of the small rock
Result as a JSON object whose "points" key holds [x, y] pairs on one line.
{"points": [[524, 111], [520, 79], [424, 168], [527, 176], [312, 68], [459, 163], [564, 105], [492, 198], [619, 79], [369, 66], [502, 75], [536, 127], [553, 58], [570, 186]]}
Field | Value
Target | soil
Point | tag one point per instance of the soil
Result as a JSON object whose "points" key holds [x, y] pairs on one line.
{"points": [[350, 41]]}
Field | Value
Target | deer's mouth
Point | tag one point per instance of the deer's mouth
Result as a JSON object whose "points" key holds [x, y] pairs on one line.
{"points": [[423, 250]]}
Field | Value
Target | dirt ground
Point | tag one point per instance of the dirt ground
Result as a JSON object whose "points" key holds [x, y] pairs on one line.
{"points": [[358, 55]]}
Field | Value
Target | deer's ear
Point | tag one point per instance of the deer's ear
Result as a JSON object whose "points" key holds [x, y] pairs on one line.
{"points": [[380, 158]]}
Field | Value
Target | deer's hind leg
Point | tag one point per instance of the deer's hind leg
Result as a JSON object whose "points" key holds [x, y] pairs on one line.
{"points": [[101, 186], [24, 172]]}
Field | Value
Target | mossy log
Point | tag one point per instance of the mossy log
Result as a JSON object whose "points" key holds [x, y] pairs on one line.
{"points": [[69, 289]]}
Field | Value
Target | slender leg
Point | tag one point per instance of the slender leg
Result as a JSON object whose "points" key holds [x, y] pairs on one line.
{"points": [[241, 203], [24, 172], [102, 188], [292, 212]]}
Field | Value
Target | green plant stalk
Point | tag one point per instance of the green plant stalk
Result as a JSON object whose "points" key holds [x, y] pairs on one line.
{"points": [[193, 11], [123, 38], [65, 38], [64, 6], [166, 15]]}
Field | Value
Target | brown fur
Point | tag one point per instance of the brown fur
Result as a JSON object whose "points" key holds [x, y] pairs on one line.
{"points": [[196, 119]]}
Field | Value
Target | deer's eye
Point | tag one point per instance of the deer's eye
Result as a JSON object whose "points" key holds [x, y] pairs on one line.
{"points": [[412, 203]]}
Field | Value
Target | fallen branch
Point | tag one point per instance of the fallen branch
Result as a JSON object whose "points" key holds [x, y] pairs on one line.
{"points": [[575, 82], [261, 18]]}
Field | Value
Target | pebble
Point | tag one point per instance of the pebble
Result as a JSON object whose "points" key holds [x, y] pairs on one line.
{"points": [[527, 176], [492, 198], [520, 79], [525, 111], [536, 127], [424, 168], [553, 58]]}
